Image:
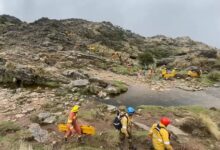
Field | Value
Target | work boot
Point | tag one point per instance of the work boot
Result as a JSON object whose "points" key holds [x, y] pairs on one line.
{"points": [[80, 140], [65, 139]]}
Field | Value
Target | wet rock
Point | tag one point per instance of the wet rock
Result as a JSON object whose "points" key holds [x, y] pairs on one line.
{"points": [[39, 134], [80, 83]]}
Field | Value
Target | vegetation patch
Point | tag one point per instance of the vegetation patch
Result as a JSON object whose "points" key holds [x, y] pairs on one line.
{"points": [[121, 86], [119, 69], [214, 76], [87, 114], [8, 127], [146, 58]]}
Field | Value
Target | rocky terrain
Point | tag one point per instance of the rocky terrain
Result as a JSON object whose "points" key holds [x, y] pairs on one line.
{"points": [[47, 66]]}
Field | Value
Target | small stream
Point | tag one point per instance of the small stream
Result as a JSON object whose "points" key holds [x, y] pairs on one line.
{"points": [[137, 95]]}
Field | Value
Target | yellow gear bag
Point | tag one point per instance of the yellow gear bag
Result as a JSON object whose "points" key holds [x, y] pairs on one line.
{"points": [[86, 129], [193, 74], [62, 127]]}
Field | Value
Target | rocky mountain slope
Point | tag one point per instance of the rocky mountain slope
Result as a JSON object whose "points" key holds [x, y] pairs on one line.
{"points": [[49, 47], [48, 65]]}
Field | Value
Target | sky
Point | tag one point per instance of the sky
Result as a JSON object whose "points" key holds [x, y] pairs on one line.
{"points": [[198, 19]]}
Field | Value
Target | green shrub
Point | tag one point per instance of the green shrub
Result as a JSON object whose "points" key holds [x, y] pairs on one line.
{"points": [[125, 70], [214, 76], [121, 86], [146, 58], [8, 127]]}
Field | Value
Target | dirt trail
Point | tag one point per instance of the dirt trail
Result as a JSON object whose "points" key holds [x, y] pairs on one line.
{"points": [[108, 75], [136, 81]]}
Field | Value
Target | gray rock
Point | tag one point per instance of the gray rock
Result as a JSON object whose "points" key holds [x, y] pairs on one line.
{"points": [[111, 90], [74, 74], [216, 85], [80, 83], [49, 120], [39, 134], [98, 81], [111, 108], [43, 116], [28, 110], [46, 118], [94, 89], [46, 43], [60, 47]]}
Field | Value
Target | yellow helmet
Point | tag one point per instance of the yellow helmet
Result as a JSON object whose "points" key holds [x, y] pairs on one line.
{"points": [[75, 108]]}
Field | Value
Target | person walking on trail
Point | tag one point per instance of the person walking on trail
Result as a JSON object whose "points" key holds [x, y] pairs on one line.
{"points": [[125, 132], [72, 124], [160, 136]]}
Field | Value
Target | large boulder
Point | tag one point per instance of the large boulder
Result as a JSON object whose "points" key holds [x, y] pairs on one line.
{"points": [[98, 81], [111, 90], [116, 87], [46, 118], [39, 134]]}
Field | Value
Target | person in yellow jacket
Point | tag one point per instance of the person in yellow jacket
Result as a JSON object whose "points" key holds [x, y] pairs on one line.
{"points": [[160, 136], [125, 132]]}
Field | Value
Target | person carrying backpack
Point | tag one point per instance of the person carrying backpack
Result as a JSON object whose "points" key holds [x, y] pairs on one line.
{"points": [[160, 136], [123, 122]]}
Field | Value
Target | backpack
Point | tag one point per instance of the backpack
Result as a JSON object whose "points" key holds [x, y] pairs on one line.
{"points": [[158, 127], [117, 121]]}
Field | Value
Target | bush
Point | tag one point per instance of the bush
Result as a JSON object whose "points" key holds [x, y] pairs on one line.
{"points": [[8, 127], [121, 86], [146, 58], [214, 76], [124, 70]]}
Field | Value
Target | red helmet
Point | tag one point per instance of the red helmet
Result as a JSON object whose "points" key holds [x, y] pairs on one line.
{"points": [[165, 121]]}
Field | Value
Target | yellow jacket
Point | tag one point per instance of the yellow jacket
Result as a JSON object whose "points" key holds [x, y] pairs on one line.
{"points": [[126, 125], [160, 137]]}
